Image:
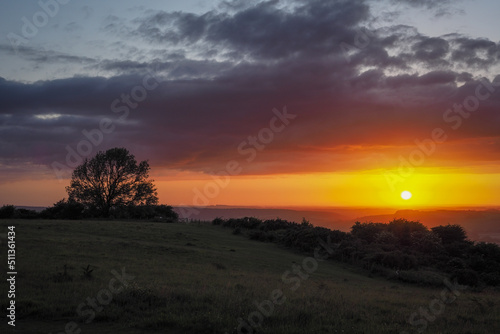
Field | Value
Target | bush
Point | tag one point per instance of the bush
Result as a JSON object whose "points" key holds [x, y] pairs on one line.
{"points": [[398, 260], [26, 214], [217, 221], [139, 211], [64, 210], [367, 231], [426, 242], [450, 234], [261, 236], [386, 238], [403, 229], [398, 248], [457, 249], [160, 213], [166, 213], [456, 264], [490, 278], [421, 277], [487, 250], [7, 211], [466, 277]]}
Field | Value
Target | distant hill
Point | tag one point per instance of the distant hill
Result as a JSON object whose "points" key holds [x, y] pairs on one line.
{"points": [[34, 208], [315, 217], [334, 218]]}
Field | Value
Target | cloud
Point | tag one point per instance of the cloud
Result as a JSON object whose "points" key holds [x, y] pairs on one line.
{"points": [[439, 8], [221, 73], [44, 56], [480, 53], [262, 31], [432, 51]]}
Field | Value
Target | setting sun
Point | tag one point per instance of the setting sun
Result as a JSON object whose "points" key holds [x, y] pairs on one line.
{"points": [[406, 195]]}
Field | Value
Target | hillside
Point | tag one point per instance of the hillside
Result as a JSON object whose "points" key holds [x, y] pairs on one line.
{"points": [[199, 278]]}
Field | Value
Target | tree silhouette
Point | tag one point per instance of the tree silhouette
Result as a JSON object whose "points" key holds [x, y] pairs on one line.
{"points": [[112, 178], [450, 233], [403, 228]]}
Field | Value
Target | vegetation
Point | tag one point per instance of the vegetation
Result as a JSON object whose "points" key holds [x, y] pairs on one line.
{"points": [[110, 185], [71, 210], [400, 250], [110, 179], [404, 250], [200, 278]]}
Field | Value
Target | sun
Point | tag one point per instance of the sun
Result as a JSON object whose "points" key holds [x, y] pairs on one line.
{"points": [[406, 195]]}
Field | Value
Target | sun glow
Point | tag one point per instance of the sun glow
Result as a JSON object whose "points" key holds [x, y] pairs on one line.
{"points": [[406, 195]]}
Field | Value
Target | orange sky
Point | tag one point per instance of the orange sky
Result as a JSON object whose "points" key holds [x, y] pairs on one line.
{"points": [[370, 189]]}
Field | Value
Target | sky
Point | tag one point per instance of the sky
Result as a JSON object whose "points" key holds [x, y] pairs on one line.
{"points": [[256, 103]]}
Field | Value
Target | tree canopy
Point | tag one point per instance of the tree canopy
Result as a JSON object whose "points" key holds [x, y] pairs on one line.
{"points": [[451, 233], [112, 178]]}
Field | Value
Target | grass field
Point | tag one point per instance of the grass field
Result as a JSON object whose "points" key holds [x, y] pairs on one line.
{"points": [[199, 278]]}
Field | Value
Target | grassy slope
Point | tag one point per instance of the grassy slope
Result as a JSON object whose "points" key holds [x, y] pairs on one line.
{"points": [[188, 280]]}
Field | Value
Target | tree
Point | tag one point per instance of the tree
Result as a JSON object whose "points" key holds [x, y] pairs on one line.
{"points": [[386, 238], [450, 233], [112, 178], [403, 228], [426, 242], [367, 231]]}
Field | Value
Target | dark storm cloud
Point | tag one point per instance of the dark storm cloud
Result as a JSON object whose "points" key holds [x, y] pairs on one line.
{"points": [[427, 80], [313, 29], [263, 30], [432, 50], [235, 67], [90, 96], [476, 52]]}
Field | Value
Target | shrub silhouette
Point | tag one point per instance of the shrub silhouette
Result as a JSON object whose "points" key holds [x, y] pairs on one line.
{"points": [[403, 229], [64, 210], [450, 234], [7, 211], [466, 277], [367, 231], [400, 245], [25, 214]]}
